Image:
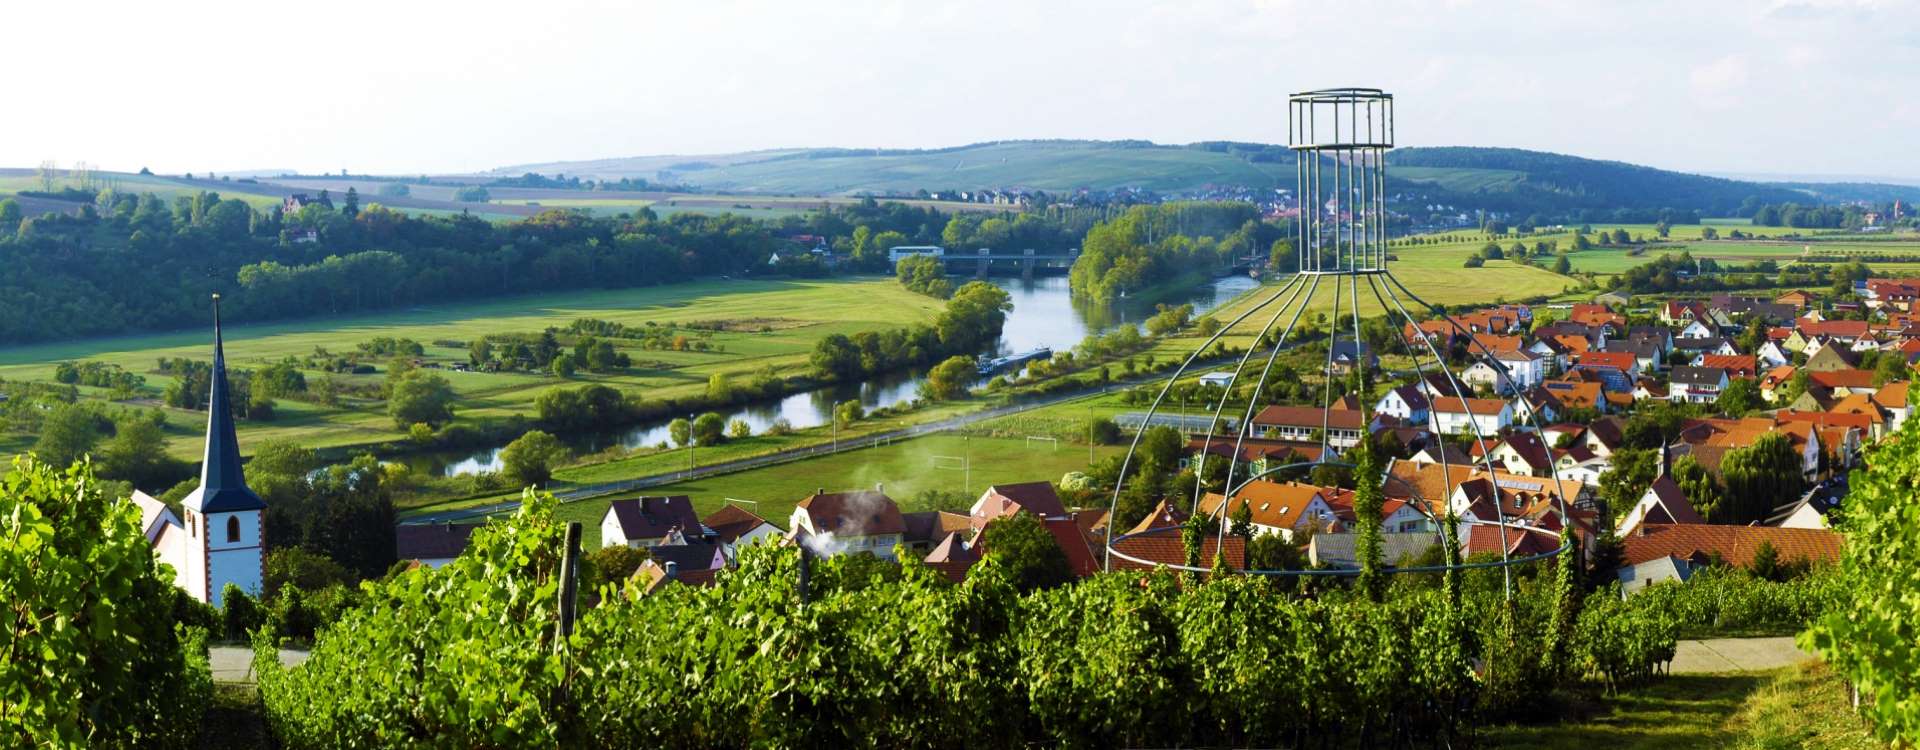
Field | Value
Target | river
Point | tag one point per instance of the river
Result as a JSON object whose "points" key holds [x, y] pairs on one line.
{"points": [[1044, 314]]}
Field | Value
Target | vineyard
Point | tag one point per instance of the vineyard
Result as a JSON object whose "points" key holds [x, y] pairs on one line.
{"points": [[880, 656]]}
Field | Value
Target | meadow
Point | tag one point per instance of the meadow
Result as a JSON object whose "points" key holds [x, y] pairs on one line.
{"points": [[902, 469], [167, 188], [797, 312]]}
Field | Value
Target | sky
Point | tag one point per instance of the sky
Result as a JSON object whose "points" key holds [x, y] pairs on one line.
{"points": [[1750, 87]]}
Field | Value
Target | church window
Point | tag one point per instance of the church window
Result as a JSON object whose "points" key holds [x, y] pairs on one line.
{"points": [[233, 528]]}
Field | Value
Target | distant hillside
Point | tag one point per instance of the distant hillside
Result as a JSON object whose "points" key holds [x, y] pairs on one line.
{"points": [[1877, 192], [1038, 165], [1492, 178], [1515, 179]]}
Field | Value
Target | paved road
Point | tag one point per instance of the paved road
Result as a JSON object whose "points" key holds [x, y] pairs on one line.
{"points": [[583, 492], [1736, 655], [235, 663]]}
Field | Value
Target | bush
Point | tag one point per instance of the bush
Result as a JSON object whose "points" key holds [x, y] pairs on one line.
{"points": [[92, 655], [455, 634], [239, 614], [1868, 634], [294, 566]]}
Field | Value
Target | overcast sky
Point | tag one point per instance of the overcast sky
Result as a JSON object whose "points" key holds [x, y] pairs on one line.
{"points": [[1728, 86]]}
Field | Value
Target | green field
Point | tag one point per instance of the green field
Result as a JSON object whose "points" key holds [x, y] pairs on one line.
{"points": [[799, 312], [1412, 261], [164, 187], [599, 207], [902, 469]]}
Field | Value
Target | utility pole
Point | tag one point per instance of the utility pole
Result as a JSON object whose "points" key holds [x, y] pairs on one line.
{"points": [[690, 442]]}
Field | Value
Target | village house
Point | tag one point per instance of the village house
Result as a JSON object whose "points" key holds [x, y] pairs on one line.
{"points": [[1509, 371], [431, 544], [1002, 500], [1799, 299], [1736, 365], [1406, 403], [831, 523], [647, 522], [1616, 370], [1274, 507], [1256, 455], [734, 527], [1673, 552], [1522, 453], [1663, 502], [1487, 416], [1343, 427], [1696, 385]]}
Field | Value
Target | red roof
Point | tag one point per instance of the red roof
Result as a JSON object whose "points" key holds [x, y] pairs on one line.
{"points": [[1079, 554], [1310, 416], [862, 513], [1735, 544], [1000, 500], [1847, 378], [431, 541], [1481, 406], [1165, 548], [1519, 542], [1846, 329], [1622, 361], [1736, 365], [732, 521], [653, 517]]}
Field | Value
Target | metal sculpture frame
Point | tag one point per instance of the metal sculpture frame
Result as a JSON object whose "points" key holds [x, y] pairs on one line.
{"points": [[1340, 138]]}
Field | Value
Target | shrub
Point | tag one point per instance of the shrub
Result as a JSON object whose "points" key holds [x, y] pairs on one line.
{"points": [[92, 655], [1868, 634], [239, 613], [466, 652]]}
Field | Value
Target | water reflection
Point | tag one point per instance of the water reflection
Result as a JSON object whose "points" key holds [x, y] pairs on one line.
{"points": [[1044, 314]]}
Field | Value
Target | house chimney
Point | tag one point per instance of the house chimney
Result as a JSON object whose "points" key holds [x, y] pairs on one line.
{"points": [[879, 488], [819, 490], [1666, 458]]}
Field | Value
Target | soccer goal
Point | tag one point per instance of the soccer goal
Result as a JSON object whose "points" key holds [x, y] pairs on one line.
{"points": [[1052, 443]]}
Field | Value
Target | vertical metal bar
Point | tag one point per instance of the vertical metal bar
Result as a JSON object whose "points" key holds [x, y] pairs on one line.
{"points": [[569, 584]]}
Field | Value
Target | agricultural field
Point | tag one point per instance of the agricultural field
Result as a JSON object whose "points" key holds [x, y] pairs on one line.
{"points": [[797, 312], [167, 188], [1607, 260], [902, 469]]}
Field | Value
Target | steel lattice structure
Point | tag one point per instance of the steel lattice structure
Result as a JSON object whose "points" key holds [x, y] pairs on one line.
{"points": [[1340, 138]]}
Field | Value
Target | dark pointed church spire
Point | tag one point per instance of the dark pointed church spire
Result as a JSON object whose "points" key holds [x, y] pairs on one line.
{"points": [[223, 485]]}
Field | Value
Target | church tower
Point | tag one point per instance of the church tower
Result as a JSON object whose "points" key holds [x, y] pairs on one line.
{"points": [[223, 519]]}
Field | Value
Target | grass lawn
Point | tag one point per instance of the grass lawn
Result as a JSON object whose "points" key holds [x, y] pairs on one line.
{"points": [[1793, 707], [902, 468]]}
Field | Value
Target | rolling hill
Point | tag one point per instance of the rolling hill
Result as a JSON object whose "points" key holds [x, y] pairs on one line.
{"points": [[1494, 178]]}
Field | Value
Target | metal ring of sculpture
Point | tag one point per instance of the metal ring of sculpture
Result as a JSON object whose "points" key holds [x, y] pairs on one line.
{"points": [[1340, 138]]}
